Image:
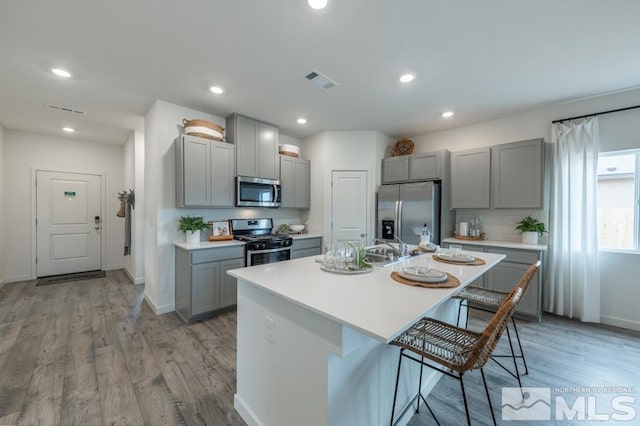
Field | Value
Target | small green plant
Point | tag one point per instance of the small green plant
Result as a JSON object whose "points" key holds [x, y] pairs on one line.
{"points": [[530, 224], [360, 257], [192, 223]]}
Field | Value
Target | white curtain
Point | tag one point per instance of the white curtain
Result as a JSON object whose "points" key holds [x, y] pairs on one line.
{"points": [[573, 280]]}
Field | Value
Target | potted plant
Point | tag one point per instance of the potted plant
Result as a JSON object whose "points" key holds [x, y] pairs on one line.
{"points": [[531, 229], [192, 226]]}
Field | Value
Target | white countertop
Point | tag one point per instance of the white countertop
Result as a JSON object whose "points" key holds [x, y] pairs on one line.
{"points": [[503, 244], [228, 243], [208, 244], [308, 235], [371, 303]]}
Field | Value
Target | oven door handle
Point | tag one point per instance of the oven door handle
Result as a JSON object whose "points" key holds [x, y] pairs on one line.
{"points": [[275, 250]]}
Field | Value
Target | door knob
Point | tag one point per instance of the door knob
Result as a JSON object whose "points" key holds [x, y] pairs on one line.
{"points": [[362, 235]]}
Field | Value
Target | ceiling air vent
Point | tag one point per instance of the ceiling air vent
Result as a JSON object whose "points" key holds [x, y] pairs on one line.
{"points": [[65, 109], [321, 80]]}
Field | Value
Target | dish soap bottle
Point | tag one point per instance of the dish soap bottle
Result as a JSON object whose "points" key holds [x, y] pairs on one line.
{"points": [[425, 236]]}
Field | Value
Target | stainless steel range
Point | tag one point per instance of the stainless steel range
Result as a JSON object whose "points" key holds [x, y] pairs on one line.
{"points": [[262, 246]]}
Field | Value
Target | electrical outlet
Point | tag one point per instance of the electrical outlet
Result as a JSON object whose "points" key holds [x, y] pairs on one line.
{"points": [[269, 329]]}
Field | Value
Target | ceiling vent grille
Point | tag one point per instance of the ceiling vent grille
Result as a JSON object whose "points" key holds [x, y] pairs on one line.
{"points": [[321, 80], [65, 109]]}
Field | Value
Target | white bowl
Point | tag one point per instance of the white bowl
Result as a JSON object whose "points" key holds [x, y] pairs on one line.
{"points": [[290, 148], [296, 228]]}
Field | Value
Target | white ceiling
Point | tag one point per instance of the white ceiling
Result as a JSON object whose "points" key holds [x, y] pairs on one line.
{"points": [[482, 59]]}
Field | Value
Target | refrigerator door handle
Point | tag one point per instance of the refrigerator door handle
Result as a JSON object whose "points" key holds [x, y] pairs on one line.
{"points": [[398, 218]]}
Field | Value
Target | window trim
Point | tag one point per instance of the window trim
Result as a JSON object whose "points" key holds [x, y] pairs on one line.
{"points": [[636, 209]]}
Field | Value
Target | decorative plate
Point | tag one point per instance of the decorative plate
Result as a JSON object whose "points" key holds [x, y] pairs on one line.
{"points": [[422, 274]]}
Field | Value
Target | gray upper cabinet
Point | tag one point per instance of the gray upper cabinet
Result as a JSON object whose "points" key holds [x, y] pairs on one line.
{"points": [[517, 174], [425, 166], [415, 167], [471, 179], [204, 172], [294, 178], [395, 169], [256, 147]]}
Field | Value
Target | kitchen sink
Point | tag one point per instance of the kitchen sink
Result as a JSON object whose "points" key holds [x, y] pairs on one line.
{"points": [[383, 256]]}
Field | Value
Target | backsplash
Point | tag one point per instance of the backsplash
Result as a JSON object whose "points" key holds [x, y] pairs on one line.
{"points": [[499, 225]]}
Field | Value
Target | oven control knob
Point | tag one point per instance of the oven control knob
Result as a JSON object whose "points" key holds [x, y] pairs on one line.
{"points": [[261, 246], [287, 243]]}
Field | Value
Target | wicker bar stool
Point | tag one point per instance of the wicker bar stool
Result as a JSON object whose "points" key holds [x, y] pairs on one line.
{"points": [[487, 300], [454, 350]]}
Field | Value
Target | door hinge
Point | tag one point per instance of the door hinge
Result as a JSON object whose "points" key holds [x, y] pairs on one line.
{"points": [[36, 260], [36, 221]]}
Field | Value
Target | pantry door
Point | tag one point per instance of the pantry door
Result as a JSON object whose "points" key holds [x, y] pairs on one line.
{"points": [[349, 206], [68, 223]]}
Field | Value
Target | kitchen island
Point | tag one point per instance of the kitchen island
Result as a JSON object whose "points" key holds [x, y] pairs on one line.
{"points": [[313, 346]]}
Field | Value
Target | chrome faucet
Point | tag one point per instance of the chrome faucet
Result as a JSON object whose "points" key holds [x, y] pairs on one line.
{"points": [[402, 250]]}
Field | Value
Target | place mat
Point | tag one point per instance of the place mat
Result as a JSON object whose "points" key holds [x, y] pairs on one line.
{"points": [[476, 262], [449, 283]]}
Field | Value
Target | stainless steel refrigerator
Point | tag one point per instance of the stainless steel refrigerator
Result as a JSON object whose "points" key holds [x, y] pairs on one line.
{"points": [[403, 209]]}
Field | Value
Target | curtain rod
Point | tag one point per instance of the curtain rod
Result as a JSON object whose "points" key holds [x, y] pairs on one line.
{"points": [[595, 113]]}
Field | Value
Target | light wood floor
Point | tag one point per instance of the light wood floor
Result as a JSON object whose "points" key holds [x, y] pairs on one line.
{"points": [[92, 353]]}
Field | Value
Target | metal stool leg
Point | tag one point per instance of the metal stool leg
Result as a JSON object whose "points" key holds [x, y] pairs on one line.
{"points": [[524, 361], [420, 385], [464, 398], [513, 356], [486, 389], [395, 393]]}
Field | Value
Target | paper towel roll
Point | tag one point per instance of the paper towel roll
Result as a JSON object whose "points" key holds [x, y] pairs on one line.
{"points": [[463, 229]]}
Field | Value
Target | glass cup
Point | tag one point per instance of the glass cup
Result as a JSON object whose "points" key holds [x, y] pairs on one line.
{"points": [[330, 255], [456, 250]]}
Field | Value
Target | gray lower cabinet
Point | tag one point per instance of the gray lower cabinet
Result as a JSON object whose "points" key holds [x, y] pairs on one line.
{"points": [[205, 171], [202, 284], [256, 146], [305, 247], [516, 174], [471, 179], [506, 274], [294, 180]]}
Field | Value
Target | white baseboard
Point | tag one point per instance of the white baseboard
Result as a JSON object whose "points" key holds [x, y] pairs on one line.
{"points": [[244, 411], [158, 310], [620, 322], [16, 278], [139, 280]]}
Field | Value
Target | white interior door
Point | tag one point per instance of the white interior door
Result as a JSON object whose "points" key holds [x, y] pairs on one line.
{"points": [[68, 223], [349, 206]]}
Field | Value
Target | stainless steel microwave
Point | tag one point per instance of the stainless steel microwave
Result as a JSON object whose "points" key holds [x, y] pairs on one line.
{"points": [[257, 192]]}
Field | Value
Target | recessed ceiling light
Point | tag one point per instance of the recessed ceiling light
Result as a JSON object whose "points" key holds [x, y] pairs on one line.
{"points": [[407, 78], [302, 120], [447, 114], [217, 90], [60, 72], [317, 4], [69, 129]]}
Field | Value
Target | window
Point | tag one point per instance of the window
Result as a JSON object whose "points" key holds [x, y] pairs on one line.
{"points": [[618, 195]]}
